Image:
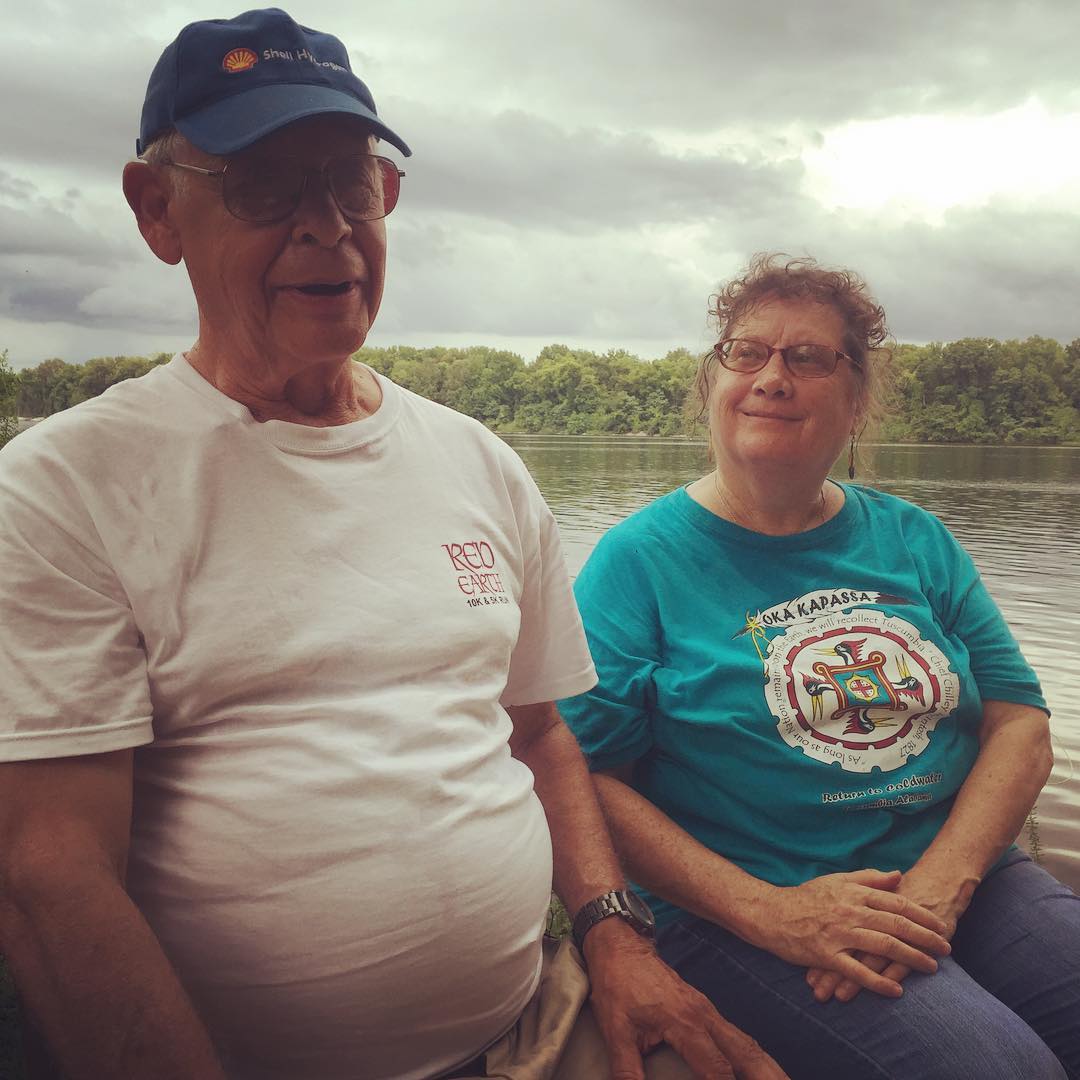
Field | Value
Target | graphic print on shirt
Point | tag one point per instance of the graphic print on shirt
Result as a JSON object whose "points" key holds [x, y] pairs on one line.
{"points": [[850, 684], [477, 575]]}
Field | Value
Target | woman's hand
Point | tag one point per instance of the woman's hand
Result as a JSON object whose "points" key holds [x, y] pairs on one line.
{"points": [[825, 922], [944, 898], [1015, 758]]}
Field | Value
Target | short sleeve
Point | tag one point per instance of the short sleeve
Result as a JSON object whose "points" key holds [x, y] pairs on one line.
{"points": [[72, 667], [550, 658], [969, 614], [612, 722]]}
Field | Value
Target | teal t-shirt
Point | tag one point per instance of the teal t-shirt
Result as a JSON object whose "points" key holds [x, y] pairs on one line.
{"points": [[804, 704]]}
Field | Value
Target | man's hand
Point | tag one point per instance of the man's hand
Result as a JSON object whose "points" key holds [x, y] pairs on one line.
{"points": [[946, 900], [639, 1003], [828, 922]]}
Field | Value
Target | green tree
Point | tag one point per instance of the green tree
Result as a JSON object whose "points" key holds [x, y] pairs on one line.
{"points": [[975, 390], [49, 388], [1070, 375], [9, 393]]}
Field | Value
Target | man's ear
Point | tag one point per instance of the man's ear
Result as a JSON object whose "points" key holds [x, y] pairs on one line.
{"points": [[149, 200]]}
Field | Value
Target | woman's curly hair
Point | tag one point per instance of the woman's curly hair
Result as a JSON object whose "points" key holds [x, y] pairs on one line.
{"points": [[777, 276]]}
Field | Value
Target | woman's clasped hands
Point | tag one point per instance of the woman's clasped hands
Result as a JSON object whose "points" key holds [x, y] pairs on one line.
{"points": [[825, 923]]}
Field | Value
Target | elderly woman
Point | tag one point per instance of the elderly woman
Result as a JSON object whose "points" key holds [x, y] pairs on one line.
{"points": [[814, 736]]}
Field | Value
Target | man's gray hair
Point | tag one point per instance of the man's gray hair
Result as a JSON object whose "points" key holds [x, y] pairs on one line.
{"points": [[162, 148], [165, 148]]}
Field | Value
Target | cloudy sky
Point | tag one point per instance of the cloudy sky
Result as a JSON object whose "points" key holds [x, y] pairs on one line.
{"points": [[587, 171]]}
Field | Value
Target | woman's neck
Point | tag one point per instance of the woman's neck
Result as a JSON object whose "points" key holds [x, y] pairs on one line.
{"points": [[777, 505]]}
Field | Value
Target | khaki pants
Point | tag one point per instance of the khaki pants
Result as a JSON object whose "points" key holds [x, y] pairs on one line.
{"points": [[557, 1037]]}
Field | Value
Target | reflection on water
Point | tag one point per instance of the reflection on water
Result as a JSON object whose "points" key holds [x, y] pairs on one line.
{"points": [[1016, 509]]}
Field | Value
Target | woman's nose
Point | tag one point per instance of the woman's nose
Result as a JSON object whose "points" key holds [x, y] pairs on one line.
{"points": [[774, 378]]}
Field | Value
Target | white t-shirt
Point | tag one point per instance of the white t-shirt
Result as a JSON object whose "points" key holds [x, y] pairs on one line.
{"points": [[310, 635]]}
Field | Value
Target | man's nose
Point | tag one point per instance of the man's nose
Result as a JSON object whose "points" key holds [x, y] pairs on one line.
{"points": [[318, 219]]}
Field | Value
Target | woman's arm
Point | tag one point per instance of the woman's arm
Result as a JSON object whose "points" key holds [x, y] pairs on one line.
{"points": [[1014, 761], [817, 924]]}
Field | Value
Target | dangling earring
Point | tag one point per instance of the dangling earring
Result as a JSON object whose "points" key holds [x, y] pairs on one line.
{"points": [[851, 459]]}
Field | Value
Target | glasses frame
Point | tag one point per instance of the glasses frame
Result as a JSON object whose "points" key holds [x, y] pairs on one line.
{"points": [[325, 174], [718, 350]]}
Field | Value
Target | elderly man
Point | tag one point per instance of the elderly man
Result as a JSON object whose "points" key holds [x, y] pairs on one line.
{"points": [[278, 651]]}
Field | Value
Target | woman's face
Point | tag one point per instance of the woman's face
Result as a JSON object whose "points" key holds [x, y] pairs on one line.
{"points": [[771, 418]]}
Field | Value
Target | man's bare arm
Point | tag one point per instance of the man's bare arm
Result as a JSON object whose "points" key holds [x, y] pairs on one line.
{"points": [[88, 967], [638, 1000]]}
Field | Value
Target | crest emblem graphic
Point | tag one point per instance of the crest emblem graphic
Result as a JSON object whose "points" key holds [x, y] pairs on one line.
{"points": [[860, 688], [238, 60]]}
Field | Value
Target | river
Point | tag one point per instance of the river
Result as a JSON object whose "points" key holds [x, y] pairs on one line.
{"points": [[1015, 509]]}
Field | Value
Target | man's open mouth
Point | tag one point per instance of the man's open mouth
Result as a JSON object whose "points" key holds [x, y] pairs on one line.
{"points": [[324, 290]]}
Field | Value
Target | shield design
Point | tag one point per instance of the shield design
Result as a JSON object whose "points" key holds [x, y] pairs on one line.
{"points": [[872, 704], [860, 685]]}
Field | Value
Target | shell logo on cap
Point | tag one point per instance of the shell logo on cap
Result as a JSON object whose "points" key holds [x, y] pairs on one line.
{"points": [[239, 60]]}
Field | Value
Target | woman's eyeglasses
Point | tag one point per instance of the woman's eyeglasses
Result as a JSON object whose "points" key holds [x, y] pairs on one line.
{"points": [[747, 355]]}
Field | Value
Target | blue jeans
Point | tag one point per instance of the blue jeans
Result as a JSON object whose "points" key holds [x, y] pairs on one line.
{"points": [[1004, 1006]]}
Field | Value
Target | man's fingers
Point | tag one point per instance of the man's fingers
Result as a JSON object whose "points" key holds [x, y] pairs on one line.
{"points": [[700, 1051], [704, 1039], [624, 1059], [747, 1060], [714, 1048]]}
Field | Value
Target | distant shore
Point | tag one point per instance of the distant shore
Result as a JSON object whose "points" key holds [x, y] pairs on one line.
{"points": [[25, 422]]}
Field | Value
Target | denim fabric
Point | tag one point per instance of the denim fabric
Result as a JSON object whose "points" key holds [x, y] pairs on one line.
{"points": [[1004, 1006]]}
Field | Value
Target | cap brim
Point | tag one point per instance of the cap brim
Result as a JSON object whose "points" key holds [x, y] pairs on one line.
{"points": [[240, 120]]}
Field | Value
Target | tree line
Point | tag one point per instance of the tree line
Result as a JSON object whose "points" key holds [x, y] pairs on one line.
{"points": [[973, 390], [979, 390]]}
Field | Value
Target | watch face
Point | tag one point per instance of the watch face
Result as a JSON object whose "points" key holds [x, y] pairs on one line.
{"points": [[638, 908]]}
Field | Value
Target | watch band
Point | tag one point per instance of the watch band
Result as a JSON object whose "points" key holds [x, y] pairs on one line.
{"points": [[627, 906]]}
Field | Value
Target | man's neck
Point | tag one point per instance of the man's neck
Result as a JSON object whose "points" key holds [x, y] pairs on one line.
{"points": [[324, 394]]}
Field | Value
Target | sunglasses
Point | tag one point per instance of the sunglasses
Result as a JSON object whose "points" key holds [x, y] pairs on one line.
{"points": [[746, 355], [265, 190]]}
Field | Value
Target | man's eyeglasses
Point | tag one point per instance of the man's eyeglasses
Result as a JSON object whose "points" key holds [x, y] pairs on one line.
{"points": [[265, 190], [746, 355]]}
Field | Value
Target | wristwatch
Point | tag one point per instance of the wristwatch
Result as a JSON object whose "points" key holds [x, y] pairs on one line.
{"points": [[627, 905]]}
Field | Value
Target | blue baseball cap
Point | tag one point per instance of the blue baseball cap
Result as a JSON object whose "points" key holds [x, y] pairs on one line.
{"points": [[226, 83]]}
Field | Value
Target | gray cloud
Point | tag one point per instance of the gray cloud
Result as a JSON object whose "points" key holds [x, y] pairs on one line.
{"points": [[81, 261], [687, 65], [85, 121], [46, 229], [697, 65], [528, 282], [521, 169], [995, 271]]}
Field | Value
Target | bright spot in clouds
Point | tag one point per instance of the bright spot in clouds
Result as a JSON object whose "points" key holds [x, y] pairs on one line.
{"points": [[920, 166]]}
